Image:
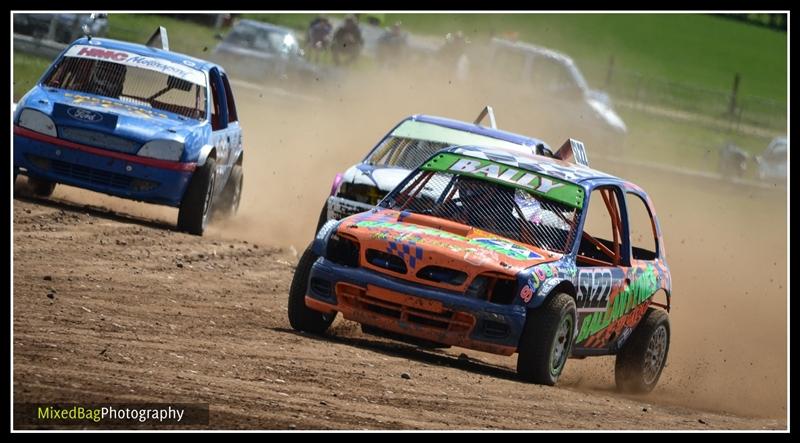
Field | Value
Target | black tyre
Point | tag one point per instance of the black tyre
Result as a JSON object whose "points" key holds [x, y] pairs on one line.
{"points": [[642, 358], [41, 187], [227, 204], [198, 199], [301, 317], [546, 340], [323, 217]]}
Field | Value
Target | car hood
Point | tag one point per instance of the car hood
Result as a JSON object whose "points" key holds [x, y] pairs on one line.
{"points": [[111, 116], [422, 241], [384, 178]]}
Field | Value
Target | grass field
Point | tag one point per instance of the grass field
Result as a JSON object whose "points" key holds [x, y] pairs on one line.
{"points": [[698, 49]]}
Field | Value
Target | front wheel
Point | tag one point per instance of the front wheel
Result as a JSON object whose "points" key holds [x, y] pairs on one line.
{"points": [[196, 204], [641, 360], [546, 340], [41, 187], [301, 317]]}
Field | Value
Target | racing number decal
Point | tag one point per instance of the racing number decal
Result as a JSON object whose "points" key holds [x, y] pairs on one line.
{"points": [[594, 288]]}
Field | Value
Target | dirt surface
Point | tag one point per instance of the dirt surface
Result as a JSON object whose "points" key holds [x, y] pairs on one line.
{"points": [[111, 304]]}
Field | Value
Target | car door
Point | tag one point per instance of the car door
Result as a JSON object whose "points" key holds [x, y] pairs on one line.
{"points": [[603, 270], [233, 136], [222, 131]]}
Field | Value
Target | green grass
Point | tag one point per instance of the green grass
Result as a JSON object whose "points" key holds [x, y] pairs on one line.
{"points": [[27, 70], [698, 49], [702, 50], [184, 36], [675, 142]]}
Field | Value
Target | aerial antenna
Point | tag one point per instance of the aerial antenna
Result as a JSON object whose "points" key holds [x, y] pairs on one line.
{"points": [[87, 31], [487, 111], [160, 37]]}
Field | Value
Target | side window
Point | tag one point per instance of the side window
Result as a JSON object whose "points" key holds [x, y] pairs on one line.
{"points": [[216, 103], [232, 117], [643, 231], [600, 243]]}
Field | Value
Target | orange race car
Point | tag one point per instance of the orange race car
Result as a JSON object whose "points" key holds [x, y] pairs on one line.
{"points": [[502, 253]]}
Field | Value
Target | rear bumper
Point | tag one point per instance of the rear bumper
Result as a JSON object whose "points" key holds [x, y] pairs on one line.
{"points": [[95, 169], [390, 304]]}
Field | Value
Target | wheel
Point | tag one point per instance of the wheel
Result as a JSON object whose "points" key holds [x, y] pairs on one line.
{"points": [[41, 187], [641, 360], [323, 217], [301, 317], [227, 203], [546, 340], [198, 199]]}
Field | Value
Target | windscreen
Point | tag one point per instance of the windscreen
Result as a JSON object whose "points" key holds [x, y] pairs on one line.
{"points": [[413, 142], [138, 80], [503, 210]]}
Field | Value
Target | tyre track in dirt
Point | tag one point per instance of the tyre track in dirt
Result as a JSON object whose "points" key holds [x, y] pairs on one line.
{"points": [[114, 307]]}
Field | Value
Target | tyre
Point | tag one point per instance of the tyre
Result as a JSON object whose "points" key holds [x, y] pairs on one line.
{"points": [[227, 203], [642, 358], [41, 187], [323, 217], [301, 317], [546, 340], [198, 199]]}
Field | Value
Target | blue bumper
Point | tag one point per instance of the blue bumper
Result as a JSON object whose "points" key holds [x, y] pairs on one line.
{"points": [[496, 326], [105, 174]]}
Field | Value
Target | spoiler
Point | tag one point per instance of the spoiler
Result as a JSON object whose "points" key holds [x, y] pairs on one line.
{"points": [[163, 39], [574, 151], [487, 111]]}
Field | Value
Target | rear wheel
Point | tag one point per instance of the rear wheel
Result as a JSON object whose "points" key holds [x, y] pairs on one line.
{"points": [[546, 340], [301, 317], [641, 360], [198, 199], [227, 204], [41, 187]]}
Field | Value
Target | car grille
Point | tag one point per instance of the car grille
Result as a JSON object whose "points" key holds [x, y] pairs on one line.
{"points": [[100, 140], [392, 305], [92, 175]]}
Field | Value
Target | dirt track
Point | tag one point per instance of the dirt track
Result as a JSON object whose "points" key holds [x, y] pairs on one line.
{"points": [[112, 307], [111, 304]]}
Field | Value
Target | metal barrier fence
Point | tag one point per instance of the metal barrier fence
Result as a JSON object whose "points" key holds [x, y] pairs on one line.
{"points": [[729, 108]]}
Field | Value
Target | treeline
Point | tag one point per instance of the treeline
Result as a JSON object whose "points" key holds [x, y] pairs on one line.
{"points": [[773, 21]]}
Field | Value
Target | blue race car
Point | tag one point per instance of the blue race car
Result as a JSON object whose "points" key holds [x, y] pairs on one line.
{"points": [[137, 122]]}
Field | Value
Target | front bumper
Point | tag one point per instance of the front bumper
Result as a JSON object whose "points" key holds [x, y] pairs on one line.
{"points": [[339, 208], [449, 318], [95, 169]]}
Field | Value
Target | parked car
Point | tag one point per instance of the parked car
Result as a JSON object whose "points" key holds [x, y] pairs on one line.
{"points": [[136, 122], [500, 252], [772, 163], [550, 83], [264, 52], [66, 27]]}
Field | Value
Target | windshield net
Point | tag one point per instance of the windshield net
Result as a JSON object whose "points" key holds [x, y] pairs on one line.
{"points": [[413, 142], [130, 84], [503, 210]]}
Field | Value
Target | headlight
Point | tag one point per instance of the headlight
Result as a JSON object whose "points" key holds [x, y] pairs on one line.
{"points": [[162, 150], [38, 122]]}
